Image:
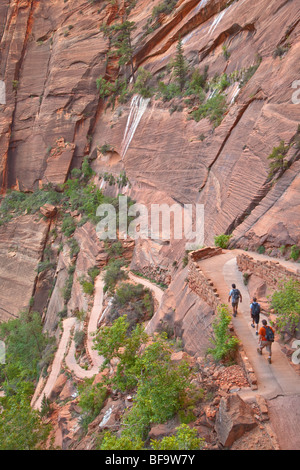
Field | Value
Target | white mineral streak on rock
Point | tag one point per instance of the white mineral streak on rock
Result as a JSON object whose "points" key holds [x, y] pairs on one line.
{"points": [[235, 92], [137, 108], [216, 21], [106, 417]]}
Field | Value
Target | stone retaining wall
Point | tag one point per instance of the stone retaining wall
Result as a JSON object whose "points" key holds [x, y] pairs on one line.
{"points": [[271, 272], [202, 286], [205, 253], [198, 282]]}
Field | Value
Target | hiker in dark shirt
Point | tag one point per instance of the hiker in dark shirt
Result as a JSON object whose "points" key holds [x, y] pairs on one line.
{"points": [[255, 311], [235, 297]]}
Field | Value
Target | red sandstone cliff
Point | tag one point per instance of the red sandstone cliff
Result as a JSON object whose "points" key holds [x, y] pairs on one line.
{"points": [[52, 53]]}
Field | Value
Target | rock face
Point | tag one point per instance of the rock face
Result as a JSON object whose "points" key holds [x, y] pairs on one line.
{"points": [[51, 56], [185, 314], [234, 418], [22, 241], [58, 163]]}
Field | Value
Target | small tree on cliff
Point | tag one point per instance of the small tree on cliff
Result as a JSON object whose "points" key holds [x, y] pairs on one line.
{"points": [[122, 43], [277, 159], [180, 66]]}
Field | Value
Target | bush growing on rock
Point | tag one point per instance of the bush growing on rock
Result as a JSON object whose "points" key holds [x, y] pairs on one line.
{"points": [[222, 241], [224, 343], [295, 252], [185, 439], [286, 303]]}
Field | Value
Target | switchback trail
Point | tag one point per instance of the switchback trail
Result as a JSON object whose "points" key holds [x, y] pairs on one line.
{"points": [[66, 347]]}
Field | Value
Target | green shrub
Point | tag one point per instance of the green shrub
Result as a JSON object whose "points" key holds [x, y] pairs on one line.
{"points": [[246, 278], [87, 287], [142, 85], [128, 292], [168, 91], [197, 82], [224, 344], [213, 109], [280, 51], [45, 266], [113, 274], [226, 53], [286, 303], [93, 273], [76, 173], [67, 289], [135, 300], [91, 401], [16, 203], [222, 83], [295, 252], [113, 90], [185, 259], [79, 338], [86, 169], [277, 158], [248, 74], [122, 180], [184, 439], [282, 250], [74, 247], [114, 249], [105, 148], [84, 198], [165, 7], [222, 241], [104, 87], [68, 226]]}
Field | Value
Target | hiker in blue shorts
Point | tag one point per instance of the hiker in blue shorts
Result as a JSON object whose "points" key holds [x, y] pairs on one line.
{"points": [[235, 297]]}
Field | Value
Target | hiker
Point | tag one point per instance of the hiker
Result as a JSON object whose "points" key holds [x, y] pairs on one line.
{"points": [[235, 297], [254, 312], [266, 338]]}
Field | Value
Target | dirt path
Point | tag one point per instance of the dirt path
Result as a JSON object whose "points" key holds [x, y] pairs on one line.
{"points": [[277, 382], [66, 348], [68, 353], [95, 359], [157, 291], [36, 401]]}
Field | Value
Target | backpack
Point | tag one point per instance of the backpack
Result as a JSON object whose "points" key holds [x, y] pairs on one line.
{"points": [[255, 308], [235, 295], [269, 334]]}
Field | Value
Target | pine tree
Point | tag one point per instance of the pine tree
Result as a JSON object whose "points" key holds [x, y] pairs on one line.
{"points": [[122, 44], [278, 158], [180, 66]]}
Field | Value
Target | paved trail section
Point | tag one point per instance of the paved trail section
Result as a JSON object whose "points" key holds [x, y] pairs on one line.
{"points": [[66, 348], [277, 382], [36, 401]]}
